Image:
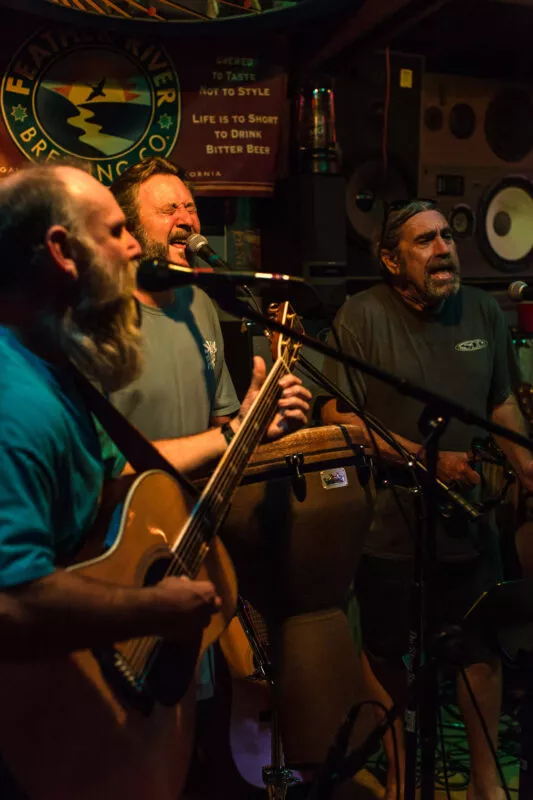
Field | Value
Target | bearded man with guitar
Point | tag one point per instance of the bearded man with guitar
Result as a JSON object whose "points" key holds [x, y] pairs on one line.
{"points": [[185, 386], [66, 283]]}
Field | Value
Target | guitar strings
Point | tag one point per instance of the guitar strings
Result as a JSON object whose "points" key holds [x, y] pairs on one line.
{"points": [[232, 455], [189, 539], [194, 533]]}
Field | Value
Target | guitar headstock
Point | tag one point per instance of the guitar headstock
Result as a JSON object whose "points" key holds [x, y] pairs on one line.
{"points": [[282, 346]]}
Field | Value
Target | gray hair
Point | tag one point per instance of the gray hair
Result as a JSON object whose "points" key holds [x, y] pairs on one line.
{"points": [[388, 237]]}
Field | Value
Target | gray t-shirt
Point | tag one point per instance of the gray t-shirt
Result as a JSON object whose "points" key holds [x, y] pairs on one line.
{"points": [[185, 380], [463, 351]]}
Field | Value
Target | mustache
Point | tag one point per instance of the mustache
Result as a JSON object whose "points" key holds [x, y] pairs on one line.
{"points": [[445, 263], [179, 237]]}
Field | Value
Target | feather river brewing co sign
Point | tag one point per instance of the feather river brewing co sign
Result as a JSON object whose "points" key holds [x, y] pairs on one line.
{"points": [[81, 94], [111, 99]]}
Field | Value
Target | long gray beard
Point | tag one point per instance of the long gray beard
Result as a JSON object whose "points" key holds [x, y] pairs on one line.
{"points": [[105, 345], [99, 333]]}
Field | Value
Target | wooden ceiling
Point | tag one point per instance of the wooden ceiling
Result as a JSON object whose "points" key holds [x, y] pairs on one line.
{"points": [[474, 37], [489, 38]]}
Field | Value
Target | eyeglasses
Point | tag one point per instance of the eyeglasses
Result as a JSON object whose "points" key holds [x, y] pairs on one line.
{"points": [[398, 205]]}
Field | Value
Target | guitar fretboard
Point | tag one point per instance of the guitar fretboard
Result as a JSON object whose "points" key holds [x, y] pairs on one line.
{"points": [[211, 508]]}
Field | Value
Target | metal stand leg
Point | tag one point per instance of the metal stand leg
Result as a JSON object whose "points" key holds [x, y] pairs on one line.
{"points": [[276, 776]]}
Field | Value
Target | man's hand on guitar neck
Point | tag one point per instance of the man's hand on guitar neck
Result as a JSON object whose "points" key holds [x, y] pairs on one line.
{"points": [[293, 405], [194, 454]]}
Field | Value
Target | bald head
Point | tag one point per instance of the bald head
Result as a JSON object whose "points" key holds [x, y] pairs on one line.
{"points": [[35, 200], [31, 201], [69, 270], [75, 181], [84, 191]]}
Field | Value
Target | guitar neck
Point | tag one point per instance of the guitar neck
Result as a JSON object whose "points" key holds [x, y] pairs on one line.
{"points": [[210, 510]]}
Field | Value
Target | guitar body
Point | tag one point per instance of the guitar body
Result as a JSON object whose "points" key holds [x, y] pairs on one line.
{"points": [[250, 733], [117, 723], [80, 726]]}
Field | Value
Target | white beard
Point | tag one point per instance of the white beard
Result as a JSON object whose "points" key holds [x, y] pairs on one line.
{"points": [[99, 332]]}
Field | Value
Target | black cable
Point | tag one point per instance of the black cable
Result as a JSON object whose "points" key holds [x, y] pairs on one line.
{"points": [[339, 766], [387, 712], [483, 724], [395, 748], [443, 747]]}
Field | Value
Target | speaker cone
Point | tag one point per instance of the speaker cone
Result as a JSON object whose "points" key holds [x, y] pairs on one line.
{"points": [[462, 221], [367, 191], [505, 228], [509, 124]]}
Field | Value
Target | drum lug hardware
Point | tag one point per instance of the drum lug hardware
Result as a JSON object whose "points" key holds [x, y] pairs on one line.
{"points": [[295, 460], [298, 482]]}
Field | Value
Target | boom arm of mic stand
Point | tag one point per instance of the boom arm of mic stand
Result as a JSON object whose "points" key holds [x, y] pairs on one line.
{"points": [[454, 497], [447, 407]]}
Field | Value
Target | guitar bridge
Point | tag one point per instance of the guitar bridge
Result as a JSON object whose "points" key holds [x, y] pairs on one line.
{"points": [[122, 679]]}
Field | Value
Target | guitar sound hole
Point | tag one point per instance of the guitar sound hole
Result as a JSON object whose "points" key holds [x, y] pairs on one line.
{"points": [[172, 669], [157, 571]]}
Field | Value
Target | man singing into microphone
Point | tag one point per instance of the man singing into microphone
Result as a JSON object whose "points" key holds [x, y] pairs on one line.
{"points": [[422, 325], [185, 386]]}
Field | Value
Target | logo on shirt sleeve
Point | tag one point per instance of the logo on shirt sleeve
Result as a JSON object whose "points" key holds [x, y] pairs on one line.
{"points": [[210, 351], [471, 345]]}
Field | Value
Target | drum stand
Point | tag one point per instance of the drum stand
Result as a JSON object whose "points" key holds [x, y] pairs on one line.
{"points": [[276, 776]]}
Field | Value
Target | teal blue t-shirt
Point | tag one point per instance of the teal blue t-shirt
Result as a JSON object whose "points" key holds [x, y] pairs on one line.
{"points": [[52, 464]]}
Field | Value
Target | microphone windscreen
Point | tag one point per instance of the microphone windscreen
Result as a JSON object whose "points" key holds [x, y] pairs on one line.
{"points": [[515, 290], [195, 242]]}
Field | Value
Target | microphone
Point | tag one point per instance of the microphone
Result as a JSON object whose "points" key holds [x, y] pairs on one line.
{"points": [[519, 291], [199, 246], [158, 274]]}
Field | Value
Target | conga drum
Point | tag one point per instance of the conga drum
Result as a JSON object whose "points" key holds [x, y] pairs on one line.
{"points": [[295, 532]]}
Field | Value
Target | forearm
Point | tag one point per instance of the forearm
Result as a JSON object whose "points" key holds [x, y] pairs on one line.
{"points": [[64, 612], [331, 416], [218, 422], [509, 415], [192, 455]]}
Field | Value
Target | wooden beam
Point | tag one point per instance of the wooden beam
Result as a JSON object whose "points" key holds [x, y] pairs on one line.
{"points": [[373, 14]]}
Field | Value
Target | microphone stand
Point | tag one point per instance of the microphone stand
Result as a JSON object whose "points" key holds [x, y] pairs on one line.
{"points": [[422, 670], [420, 715]]}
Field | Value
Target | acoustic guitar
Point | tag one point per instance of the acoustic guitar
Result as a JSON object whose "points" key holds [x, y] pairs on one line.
{"points": [[116, 722]]}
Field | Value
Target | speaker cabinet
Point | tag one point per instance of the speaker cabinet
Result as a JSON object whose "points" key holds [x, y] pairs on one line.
{"points": [[476, 160], [303, 232], [379, 93]]}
